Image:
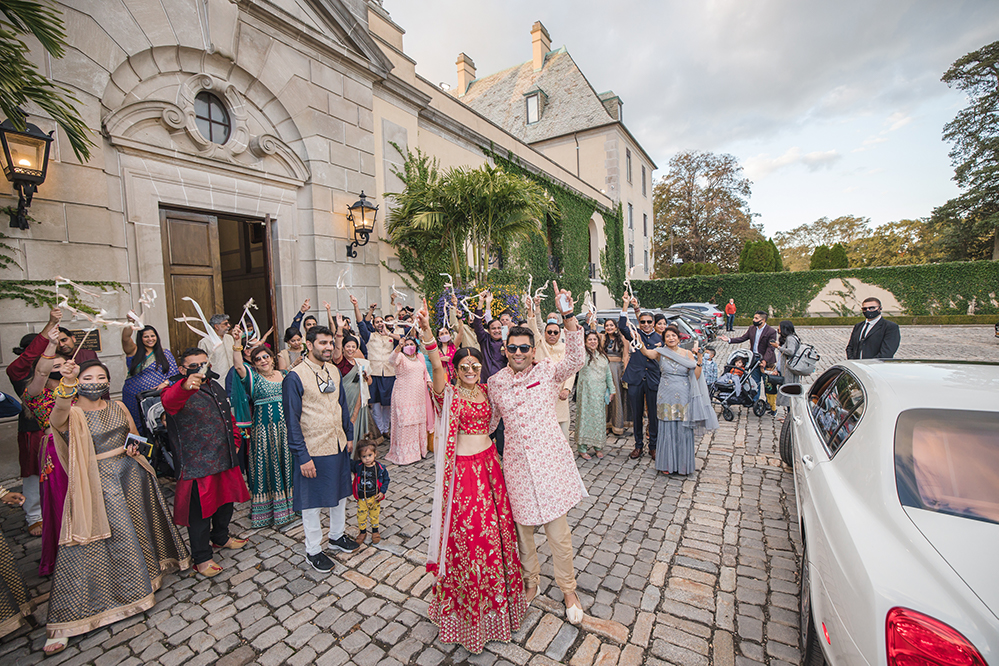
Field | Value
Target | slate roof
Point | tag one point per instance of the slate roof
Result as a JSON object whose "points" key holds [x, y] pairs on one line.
{"points": [[571, 106]]}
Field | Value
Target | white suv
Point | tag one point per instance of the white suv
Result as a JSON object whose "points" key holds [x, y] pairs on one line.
{"points": [[706, 308]]}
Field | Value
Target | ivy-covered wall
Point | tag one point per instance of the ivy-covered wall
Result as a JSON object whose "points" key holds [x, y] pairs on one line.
{"points": [[927, 289], [561, 250]]}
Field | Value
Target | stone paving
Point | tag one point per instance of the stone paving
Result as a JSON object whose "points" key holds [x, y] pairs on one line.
{"points": [[671, 570]]}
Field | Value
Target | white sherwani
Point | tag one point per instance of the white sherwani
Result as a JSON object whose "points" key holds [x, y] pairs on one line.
{"points": [[539, 466]]}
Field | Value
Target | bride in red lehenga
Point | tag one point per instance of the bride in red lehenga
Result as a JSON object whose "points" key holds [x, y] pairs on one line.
{"points": [[479, 593]]}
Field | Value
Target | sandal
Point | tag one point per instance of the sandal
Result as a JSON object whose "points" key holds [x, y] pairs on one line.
{"points": [[232, 544], [574, 613], [585, 456], [54, 646], [600, 454], [208, 569], [530, 593], [35, 530]]}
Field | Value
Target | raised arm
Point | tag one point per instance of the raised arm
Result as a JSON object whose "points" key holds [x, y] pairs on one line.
{"points": [[127, 343], [237, 352], [575, 354], [44, 366], [64, 395], [357, 312], [338, 339]]}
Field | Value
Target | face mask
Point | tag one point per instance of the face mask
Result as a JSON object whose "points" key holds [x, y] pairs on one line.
{"points": [[552, 320], [55, 375], [759, 323], [445, 338], [93, 390], [872, 314], [409, 350]]}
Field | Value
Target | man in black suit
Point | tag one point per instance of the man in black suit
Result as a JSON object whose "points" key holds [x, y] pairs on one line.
{"points": [[874, 338], [759, 335], [642, 377]]}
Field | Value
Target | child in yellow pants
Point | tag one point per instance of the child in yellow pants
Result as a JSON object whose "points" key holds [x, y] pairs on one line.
{"points": [[370, 483]]}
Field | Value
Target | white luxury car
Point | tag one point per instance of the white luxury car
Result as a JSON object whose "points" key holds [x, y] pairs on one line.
{"points": [[896, 474]]}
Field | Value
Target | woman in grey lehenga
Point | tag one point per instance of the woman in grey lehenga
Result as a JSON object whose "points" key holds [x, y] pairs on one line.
{"points": [[683, 406], [786, 347]]}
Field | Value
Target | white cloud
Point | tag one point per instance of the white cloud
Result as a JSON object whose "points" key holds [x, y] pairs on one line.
{"points": [[759, 167]]}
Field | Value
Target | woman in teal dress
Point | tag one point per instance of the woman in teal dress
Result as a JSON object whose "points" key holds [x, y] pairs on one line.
{"points": [[594, 389], [270, 469]]}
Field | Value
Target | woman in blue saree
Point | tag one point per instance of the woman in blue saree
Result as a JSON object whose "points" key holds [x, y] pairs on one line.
{"points": [[149, 367]]}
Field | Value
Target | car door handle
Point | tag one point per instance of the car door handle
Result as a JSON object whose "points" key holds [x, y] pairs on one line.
{"points": [[807, 461], [797, 420]]}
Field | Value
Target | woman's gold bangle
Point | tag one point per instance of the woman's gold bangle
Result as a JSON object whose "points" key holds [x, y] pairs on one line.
{"points": [[76, 381], [237, 347]]}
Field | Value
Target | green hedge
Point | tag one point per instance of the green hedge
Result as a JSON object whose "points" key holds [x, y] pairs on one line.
{"points": [[925, 320], [927, 289]]}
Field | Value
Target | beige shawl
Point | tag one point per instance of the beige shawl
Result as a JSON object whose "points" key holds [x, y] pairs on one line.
{"points": [[84, 518]]}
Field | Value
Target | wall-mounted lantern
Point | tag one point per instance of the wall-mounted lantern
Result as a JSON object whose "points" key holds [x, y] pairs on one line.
{"points": [[362, 217], [25, 163]]}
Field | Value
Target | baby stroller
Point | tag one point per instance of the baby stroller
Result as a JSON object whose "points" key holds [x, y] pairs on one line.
{"points": [[731, 390], [154, 417]]}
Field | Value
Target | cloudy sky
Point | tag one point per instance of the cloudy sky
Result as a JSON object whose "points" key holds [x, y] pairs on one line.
{"points": [[833, 108]]}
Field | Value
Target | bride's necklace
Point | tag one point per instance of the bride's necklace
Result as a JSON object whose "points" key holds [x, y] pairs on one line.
{"points": [[468, 394]]}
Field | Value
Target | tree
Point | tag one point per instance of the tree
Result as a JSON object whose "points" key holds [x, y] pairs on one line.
{"points": [[759, 257], [20, 80], [820, 258], [974, 214], [796, 245], [899, 243], [702, 205], [837, 256]]}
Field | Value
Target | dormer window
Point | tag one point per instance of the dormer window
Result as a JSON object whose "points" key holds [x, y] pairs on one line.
{"points": [[535, 100]]}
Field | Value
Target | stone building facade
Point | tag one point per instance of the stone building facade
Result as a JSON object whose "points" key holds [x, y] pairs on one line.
{"points": [[231, 138]]}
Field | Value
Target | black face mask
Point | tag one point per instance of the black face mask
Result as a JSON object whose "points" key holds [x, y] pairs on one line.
{"points": [[759, 323], [872, 314], [55, 375]]}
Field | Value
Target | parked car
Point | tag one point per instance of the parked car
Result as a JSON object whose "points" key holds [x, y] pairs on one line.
{"points": [[896, 474], [707, 308], [702, 323]]}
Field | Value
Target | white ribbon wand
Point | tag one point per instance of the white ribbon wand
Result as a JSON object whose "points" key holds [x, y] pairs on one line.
{"points": [[146, 301], [465, 305], [209, 332], [253, 322]]}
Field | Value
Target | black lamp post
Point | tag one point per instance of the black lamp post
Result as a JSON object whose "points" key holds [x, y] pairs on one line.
{"points": [[25, 162], [362, 216]]}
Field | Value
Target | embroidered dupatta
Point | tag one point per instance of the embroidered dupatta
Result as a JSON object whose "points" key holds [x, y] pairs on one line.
{"points": [[445, 447], [84, 516]]}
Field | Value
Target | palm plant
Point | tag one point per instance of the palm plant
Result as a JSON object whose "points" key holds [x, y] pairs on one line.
{"points": [[500, 208], [20, 80]]}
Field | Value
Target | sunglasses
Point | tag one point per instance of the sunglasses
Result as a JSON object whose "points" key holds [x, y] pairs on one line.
{"points": [[522, 348], [870, 308], [553, 331], [465, 367], [262, 357], [194, 366], [644, 321]]}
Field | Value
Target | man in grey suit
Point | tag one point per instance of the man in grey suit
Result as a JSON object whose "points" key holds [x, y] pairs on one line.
{"points": [[876, 337]]}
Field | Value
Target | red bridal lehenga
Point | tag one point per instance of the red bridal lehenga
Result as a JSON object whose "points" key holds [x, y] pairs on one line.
{"points": [[479, 593]]}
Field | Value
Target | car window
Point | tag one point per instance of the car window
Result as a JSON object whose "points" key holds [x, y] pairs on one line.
{"points": [[947, 461], [837, 405]]}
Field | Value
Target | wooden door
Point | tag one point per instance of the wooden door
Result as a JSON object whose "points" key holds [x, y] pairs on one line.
{"points": [[192, 268]]}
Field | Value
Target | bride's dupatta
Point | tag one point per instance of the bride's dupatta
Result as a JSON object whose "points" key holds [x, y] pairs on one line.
{"points": [[700, 415], [444, 461], [84, 518]]}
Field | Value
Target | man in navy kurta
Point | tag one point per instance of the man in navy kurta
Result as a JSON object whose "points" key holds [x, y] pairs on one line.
{"points": [[642, 377], [320, 436]]}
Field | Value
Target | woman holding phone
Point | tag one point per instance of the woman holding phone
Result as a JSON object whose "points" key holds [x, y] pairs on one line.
{"points": [[682, 403], [117, 540]]}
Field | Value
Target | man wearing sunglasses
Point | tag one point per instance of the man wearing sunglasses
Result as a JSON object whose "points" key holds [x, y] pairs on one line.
{"points": [[642, 376], [539, 466], [203, 437], [876, 337], [320, 437], [550, 345]]}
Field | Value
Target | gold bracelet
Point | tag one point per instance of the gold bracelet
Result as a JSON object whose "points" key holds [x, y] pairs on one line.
{"points": [[73, 385], [237, 347], [64, 392], [3, 492]]}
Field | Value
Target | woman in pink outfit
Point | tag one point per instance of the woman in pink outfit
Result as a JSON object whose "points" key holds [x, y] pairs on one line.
{"points": [[412, 410]]}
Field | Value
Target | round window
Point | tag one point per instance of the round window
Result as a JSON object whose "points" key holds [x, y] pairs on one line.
{"points": [[211, 117]]}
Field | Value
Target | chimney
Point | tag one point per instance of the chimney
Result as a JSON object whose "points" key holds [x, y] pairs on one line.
{"points": [[466, 73], [541, 43]]}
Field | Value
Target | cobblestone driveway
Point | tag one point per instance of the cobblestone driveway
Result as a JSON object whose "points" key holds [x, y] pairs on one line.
{"points": [[693, 571]]}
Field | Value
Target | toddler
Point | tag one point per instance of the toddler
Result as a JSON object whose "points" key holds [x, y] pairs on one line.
{"points": [[710, 368], [371, 481]]}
